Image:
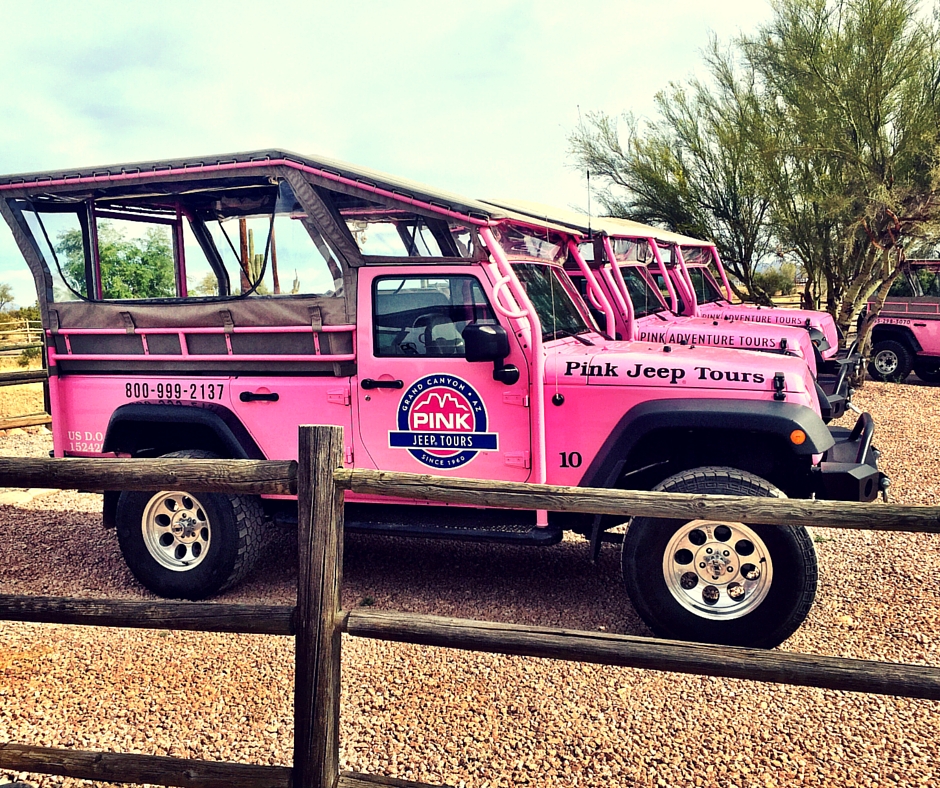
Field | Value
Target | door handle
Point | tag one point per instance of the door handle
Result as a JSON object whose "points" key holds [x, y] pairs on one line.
{"points": [[369, 383], [250, 396]]}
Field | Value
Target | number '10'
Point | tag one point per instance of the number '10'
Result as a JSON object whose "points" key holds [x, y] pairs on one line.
{"points": [[571, 459]]}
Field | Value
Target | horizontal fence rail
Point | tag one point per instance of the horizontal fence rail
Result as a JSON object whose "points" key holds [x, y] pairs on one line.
{"points": [[157, 769], [28, 420], [191, 616], [279, 477], [26, 376], [272, 477], [603, 648], [592, 500]]}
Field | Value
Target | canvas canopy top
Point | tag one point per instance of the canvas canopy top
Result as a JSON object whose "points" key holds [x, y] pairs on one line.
{"points": [[352, 177], [582, 223]]}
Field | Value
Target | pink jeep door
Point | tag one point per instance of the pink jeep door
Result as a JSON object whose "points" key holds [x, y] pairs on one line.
{"points": [[423, 407]]}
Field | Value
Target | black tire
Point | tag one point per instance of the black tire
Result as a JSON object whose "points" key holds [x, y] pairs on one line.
{"points": [[219, 545], [929, 372], [890, 361], [771, 606]]}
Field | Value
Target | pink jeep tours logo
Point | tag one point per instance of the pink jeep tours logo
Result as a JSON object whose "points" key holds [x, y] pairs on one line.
{"points": [[442, 423]]}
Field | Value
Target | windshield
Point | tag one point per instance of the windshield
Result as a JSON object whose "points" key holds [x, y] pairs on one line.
{"points": [[697, 254], [628, 250], [518, 241], [706, 291], [645, 298], [556, 309]]}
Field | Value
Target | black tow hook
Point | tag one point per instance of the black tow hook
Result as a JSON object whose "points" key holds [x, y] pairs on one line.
{"points": [[884, 484]]}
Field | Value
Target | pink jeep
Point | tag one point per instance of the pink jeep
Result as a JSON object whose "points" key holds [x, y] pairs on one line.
{"points": [[207, 307], [906, 334], [624, 256], [702, 289]]}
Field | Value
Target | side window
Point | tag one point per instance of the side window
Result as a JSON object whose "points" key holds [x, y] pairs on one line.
{"points": [[705, 290], [271, 251], [136, 258], [421, 316], [929, 279], [389, 230], [59, 239], [238, 238], [661, 284], [932, 285]]}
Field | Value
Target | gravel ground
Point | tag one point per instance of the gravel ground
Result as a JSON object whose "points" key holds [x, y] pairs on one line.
{"points": [[443, 716]]}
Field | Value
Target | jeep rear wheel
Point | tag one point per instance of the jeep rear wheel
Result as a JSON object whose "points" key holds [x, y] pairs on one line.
{"points": [[719, 582], [185, 545], [890, 361], [928, 371]]}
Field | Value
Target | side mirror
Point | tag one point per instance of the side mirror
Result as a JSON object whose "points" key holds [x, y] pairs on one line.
{"points": [[490, 342], [485, 342]]}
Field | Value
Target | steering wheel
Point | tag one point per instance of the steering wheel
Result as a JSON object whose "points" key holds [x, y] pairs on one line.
{"points": [[429, 321]]}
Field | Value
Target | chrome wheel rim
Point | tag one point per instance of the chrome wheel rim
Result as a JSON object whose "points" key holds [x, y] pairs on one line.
{"points": [[717, 570], [886, 362], [176, 530]]}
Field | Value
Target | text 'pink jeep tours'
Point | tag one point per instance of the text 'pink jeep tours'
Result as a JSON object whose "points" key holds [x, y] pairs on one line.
{"points": [[207, 307]]}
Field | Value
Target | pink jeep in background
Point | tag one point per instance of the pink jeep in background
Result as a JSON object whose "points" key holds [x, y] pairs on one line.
{"points": [[702, 289], [906, 334], [624, 256], [207, 307]]}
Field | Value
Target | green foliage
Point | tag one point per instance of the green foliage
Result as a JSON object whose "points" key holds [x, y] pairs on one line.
{"points": [[777, 279], [26, 313], [207, 286], [130, 268], [697, 171], [29, 356]]}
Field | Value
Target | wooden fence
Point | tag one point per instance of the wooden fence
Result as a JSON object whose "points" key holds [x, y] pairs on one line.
{"points": [[317, 621], [15, 337]]}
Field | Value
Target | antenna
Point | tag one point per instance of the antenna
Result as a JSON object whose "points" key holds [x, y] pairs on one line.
{"points": [[589, 202]]}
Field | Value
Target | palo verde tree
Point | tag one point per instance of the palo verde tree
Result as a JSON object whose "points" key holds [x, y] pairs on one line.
{"points": [[817, 137], [851, 93], [695, 171]]}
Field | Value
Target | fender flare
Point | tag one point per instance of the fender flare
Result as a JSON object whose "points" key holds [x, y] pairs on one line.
{"points": [[778, 419], [226, 427], [883, 331]]}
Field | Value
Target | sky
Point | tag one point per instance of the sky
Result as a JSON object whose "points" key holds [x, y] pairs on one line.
{"points": [[474, 98]]}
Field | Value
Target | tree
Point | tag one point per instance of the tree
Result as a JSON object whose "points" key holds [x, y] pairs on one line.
{"points": [[130, 268], [6, 295], [851, 92], [697, 171], [816, 137]]}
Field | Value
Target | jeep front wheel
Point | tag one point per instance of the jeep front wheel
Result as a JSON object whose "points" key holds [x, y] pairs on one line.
{"points": [[185, 545], [719, 582], [890, 361]]}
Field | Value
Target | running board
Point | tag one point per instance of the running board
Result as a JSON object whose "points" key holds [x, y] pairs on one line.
{"points": [[444, 522], [507, 534]]}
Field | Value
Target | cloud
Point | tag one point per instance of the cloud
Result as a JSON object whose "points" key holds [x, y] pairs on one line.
{"points": [[476, 102]]}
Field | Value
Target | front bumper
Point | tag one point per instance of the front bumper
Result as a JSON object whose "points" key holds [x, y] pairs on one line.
{"points": [[849, 470]]}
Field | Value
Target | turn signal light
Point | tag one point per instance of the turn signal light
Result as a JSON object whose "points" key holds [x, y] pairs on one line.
{"points": [[798, 437]]}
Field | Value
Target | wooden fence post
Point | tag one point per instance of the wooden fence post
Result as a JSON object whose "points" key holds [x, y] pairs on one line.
{"points": [[320, 568]]}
